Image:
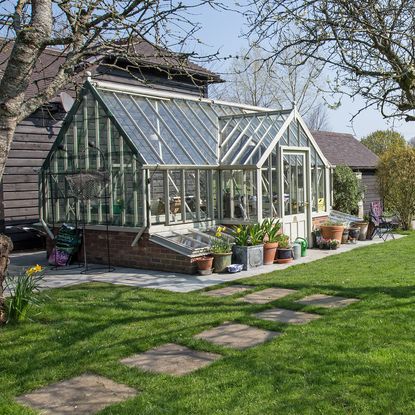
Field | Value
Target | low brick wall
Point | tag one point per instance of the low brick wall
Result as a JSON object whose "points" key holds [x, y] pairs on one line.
{"points": [[145, 254]]}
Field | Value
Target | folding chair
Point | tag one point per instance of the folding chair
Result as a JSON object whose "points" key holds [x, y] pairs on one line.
{"points": [[382, 225]]}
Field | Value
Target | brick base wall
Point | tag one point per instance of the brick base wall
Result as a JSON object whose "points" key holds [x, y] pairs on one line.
{"points": [[145, 254]]}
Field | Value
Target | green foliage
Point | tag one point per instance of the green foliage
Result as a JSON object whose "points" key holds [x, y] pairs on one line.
{"points": [[271, 227], [381, 141], [397, 183], [332, 223], [347, 191], [247, 235], [283, 241], [24, 289], [220, 244]]}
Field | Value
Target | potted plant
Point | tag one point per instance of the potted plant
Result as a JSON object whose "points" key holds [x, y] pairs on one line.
{"points": [[354, 233], [345, 236], [271, 228], [329, 244], [284, 250], [222, 250], [204, 264], [248, 249], [332, 230]]}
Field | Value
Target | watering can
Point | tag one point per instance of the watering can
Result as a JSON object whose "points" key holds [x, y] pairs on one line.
{"points": [[304, 245]]}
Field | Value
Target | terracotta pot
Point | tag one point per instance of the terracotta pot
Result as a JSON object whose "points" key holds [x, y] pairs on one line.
{"points": [[332, 232], [270, 249], [204, 263], [221, 261]]}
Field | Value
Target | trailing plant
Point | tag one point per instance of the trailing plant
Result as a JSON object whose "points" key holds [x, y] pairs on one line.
{"points": [[271, 227], [23, 289], [347, 190], [220, 244], [283, 241], [397, 183]]}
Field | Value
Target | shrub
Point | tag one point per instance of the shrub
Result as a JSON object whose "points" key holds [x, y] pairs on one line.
{"points": [[347, 190], [382, 141], [397, 183]]}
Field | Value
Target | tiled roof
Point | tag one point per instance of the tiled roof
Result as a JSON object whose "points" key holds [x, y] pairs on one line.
{"points": [[148, 55], [345, 149]]}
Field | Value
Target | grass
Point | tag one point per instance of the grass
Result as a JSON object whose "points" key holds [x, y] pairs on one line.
{"points": [[356, 360]]}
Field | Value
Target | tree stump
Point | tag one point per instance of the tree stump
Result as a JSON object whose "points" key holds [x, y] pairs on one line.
{"points": [[6, 247]]}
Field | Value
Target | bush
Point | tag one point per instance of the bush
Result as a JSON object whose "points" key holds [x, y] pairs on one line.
{"points": [[347, 191], [397, 183], [382, 141]]}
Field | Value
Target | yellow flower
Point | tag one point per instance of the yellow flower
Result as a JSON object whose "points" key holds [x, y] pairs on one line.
{"points": [[238, 230], [218, 234], [33, 270]]}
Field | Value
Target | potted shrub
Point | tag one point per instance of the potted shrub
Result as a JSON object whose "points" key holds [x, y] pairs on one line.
{"points": [[204, 264], [284, 250], [271, 228], [332, 230], [248, 249], [221, 250]]}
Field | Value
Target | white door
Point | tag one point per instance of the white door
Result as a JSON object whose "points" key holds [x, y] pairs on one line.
{"points": [[296, 194]]}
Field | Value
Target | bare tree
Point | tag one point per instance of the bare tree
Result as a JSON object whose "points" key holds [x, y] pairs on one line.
{"points": [[254, 79], [317, 119], [368, 46]]}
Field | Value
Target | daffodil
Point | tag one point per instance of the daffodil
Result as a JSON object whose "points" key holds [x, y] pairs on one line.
{"points": [[33, 270]]}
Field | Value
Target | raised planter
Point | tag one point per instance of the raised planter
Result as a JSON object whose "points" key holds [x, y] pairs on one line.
{"points": [[249, 256], [270, 250], [332, 232], [221, 262]]}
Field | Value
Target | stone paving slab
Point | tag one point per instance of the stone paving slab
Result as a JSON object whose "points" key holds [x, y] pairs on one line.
{"points": [[327, 301], [172, 359], [267, 295], [227, 291], [237, 336], [82, 395], [286, 316]]}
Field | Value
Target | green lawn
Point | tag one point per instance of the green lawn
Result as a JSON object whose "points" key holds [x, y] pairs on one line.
{"points": [[356, 360]]}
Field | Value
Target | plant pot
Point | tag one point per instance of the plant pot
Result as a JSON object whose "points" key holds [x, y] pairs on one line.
{"points": [[332, 232], [205, 271], [204, 263], [363, 226], [221, 262], [284, 255], [270, 250], [370, 231], [249, 256], [354, 234], [345, 236]]}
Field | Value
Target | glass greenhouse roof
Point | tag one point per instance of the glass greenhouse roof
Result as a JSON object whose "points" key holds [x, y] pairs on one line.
{"points": [[170, 129]]}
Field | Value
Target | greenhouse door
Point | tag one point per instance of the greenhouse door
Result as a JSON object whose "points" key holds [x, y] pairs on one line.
{"points": [[296, 193]]}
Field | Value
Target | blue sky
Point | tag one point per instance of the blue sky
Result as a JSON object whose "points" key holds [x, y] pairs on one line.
{"points": [[221, 29]]}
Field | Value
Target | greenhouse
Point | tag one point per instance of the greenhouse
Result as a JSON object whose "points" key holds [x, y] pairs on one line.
{"points": [[167, 167]]}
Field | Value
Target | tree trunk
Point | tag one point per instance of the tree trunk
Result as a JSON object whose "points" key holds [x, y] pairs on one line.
{"points": [[6, 246], [7, 128]]}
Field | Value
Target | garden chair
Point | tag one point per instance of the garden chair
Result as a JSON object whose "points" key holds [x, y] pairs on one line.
{"points": [[382, 225]]}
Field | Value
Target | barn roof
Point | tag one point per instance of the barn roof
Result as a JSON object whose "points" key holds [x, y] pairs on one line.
{"points": [[345, 149]]}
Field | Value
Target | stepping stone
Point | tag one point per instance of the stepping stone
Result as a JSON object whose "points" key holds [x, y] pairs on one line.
{"points": [[286, 316], [226, 291], [327, 301], [172, 359], [82, 395], [238, 336], [267, 295]]}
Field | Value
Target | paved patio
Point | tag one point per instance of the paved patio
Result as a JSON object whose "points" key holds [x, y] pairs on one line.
{"points": [[157, 279]]}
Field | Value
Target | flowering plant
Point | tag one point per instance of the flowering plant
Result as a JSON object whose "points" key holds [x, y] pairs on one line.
{"points": [[23, 290], [241, 235], [220, 244], [328, 243]]}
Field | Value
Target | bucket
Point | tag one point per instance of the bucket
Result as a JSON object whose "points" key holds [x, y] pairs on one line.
{"points": [[304, 245], [297, 250]]}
